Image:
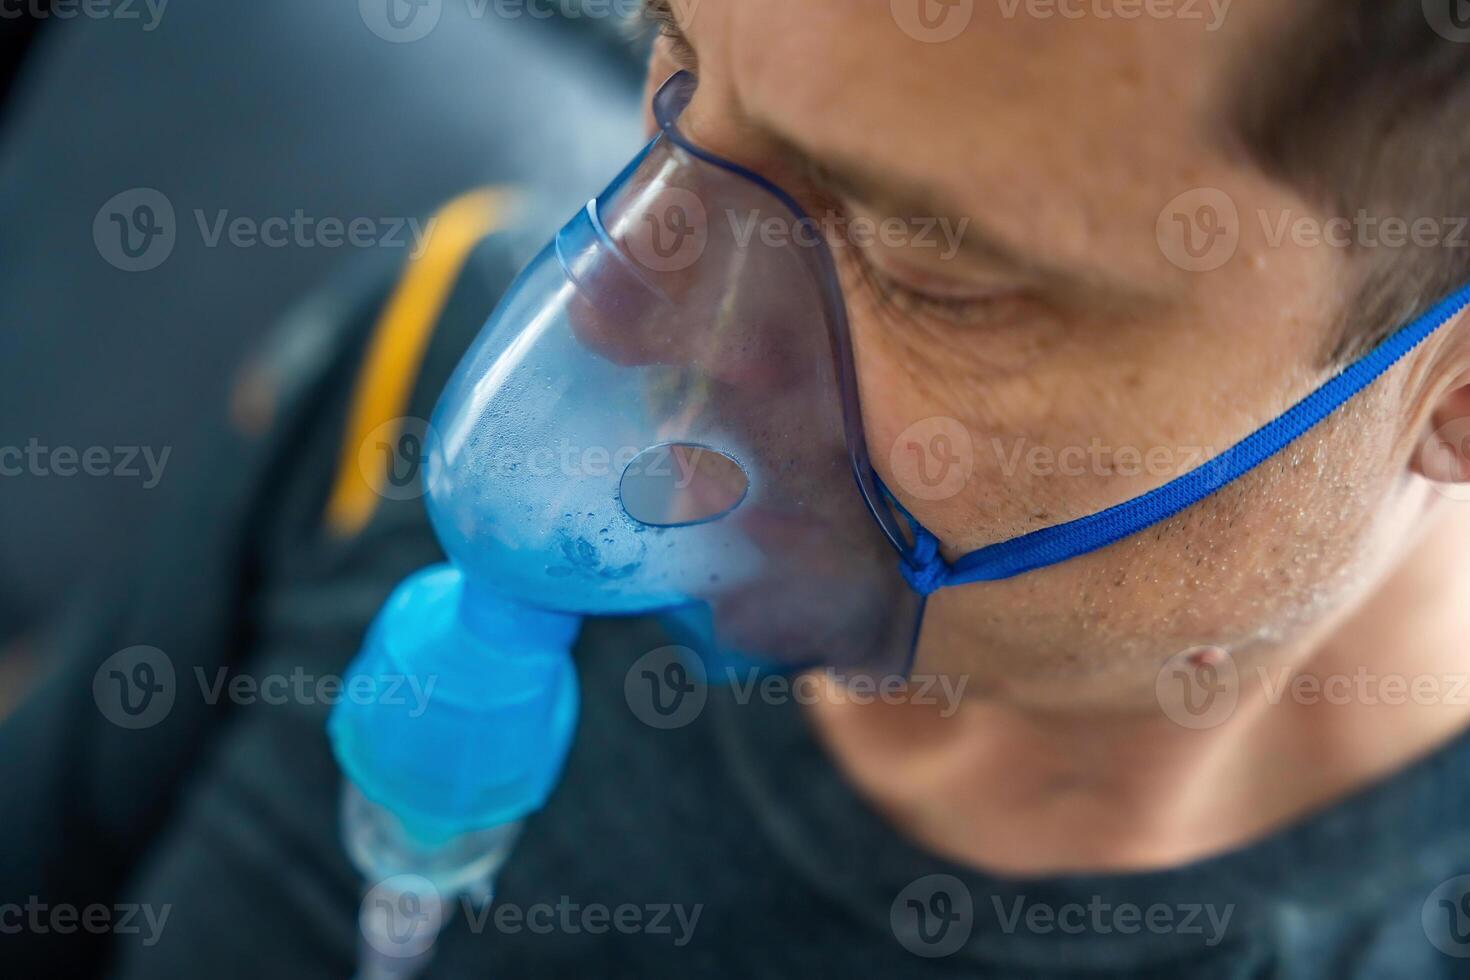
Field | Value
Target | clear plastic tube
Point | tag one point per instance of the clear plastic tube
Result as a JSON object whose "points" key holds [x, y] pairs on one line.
{"points": [[414, 887]]}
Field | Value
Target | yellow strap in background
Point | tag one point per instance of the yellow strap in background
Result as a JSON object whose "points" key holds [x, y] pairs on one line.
{"points": [[396, 352]]}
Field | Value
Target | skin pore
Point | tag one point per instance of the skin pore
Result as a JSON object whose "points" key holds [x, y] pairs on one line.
{"points": [[1063, 322]]}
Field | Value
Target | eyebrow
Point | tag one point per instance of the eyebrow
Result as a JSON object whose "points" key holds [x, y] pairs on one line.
{"points": [[661, 14], [854, 180]]}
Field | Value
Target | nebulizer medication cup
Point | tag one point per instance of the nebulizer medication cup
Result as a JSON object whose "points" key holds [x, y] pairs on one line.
{"points": [[437, 786]]}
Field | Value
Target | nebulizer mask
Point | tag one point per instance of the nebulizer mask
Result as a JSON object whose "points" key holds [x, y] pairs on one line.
{"points": [[661, 417]]}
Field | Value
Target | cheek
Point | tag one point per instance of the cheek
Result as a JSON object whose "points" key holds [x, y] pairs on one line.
{"points": [[1079, 415], [935, 401], [985, 439], [1281, 552]]}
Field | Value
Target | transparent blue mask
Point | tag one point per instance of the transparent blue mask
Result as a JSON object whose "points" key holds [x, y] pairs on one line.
{"points": [[662, 416]]}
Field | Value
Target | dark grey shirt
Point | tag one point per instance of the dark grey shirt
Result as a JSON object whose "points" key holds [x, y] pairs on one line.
{"points": [[730, 847]]}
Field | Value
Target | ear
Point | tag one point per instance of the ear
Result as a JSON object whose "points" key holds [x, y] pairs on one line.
{"points": [[1444, 453]]}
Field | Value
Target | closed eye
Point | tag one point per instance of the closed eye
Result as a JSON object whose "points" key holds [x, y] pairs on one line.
{"points": [[910, 301]]}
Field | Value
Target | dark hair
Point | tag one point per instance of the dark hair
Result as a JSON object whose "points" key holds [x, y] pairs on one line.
{"points": [[1366, 107]]}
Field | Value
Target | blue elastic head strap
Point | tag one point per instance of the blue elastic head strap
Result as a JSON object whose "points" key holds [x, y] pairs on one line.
{"points": [[927, 571]]}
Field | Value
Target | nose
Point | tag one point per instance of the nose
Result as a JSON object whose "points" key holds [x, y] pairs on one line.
{"points": [[660, 279]]}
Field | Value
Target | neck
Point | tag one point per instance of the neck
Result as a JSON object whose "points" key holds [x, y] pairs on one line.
{"points": [[1018, 792]]}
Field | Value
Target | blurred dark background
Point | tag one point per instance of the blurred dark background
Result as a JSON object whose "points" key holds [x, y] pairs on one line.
{"points": [[259, 110]]}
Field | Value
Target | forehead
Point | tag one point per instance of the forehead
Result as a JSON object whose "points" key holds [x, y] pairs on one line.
{"points": [[1025, 98], [1070, 57]]}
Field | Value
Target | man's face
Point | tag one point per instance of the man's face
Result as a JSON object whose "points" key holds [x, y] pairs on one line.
{"points": [[1106, 324]]}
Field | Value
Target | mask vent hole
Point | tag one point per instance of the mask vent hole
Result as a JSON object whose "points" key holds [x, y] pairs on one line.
{"points": [[679, 484]]}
